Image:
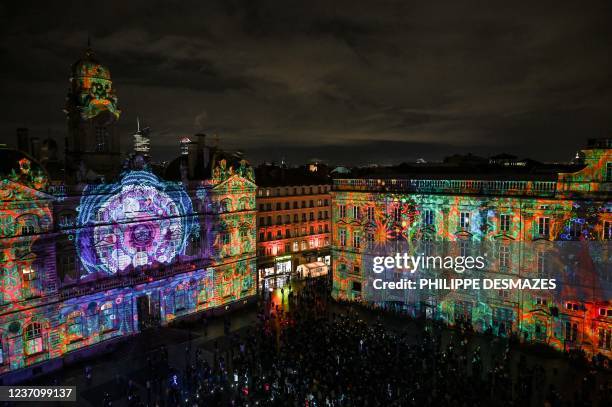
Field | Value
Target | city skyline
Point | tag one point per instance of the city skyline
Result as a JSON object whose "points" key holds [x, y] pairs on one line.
{"points": [[350, 85]]}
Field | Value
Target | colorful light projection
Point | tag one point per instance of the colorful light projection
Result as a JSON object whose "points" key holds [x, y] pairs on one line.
{"points": [[592, 179], [138, 221], [25, 215], [233, 199], [222, 172], [93, 89], [516, 231]]}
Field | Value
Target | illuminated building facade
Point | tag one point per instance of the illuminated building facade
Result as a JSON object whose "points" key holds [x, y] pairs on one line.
{"points": [[294, 223], [546, 222], [84, 264]]}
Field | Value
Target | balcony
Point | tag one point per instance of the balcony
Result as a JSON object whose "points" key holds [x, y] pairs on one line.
{"points": [[126, 280], [435, 186]]}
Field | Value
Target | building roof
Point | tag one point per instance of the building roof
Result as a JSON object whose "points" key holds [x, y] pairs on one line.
{"points": [[205, 160], [10, 161], [531, 171], [276, 176]]}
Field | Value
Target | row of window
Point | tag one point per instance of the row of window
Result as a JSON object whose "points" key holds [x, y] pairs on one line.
{"points": [[287, 191], [283, 220], [27, 224], [279, 206], [226, 237], [427, 217], [66, 262], [226, 205], [289, 234], [504, 253], [296, 246], [75, 329], [542, 227], [68, 219]]}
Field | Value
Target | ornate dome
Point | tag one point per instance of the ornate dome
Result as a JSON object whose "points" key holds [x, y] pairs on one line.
{"points": [[89, 67], [92, 93]]}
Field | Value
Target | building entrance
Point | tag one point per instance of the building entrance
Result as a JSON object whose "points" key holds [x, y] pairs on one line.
{"points": [[148, 311]]}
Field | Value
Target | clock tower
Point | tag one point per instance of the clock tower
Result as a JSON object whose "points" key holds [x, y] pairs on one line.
{"points": [[92, 145]]}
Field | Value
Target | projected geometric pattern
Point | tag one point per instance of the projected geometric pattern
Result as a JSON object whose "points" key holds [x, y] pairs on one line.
{"points": [[136, 222]]}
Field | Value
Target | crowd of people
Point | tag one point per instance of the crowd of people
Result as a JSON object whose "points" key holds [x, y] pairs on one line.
{"points": [[305, 351]]}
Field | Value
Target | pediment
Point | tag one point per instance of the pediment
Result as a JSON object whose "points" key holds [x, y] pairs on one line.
{"points": [[14, 191], [235, 182]]}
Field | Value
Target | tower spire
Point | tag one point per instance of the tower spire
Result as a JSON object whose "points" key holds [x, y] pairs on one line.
{"points": [[141, 139]]}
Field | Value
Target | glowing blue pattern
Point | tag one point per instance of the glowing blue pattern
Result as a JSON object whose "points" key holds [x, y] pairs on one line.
{"points": [[138, 221]]}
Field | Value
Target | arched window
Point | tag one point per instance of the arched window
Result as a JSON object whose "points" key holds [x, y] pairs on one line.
{"points": [[243, 203], [107, 317], [74, 326], [28, 224], [244, 231], [66, 219], [225, 236], [33, 339], [226, 205]]}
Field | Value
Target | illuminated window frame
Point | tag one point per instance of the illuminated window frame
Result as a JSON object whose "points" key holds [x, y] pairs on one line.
{"points": [[504, 256], [33, 339], [543, 226], [505, 223], [464, 220], [428, 217], [108, 317], [607, 230], [74, 326]]}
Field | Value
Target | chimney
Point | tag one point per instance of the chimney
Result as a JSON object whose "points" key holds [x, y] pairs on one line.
{"points": [[23, 144], [183, 169], [201, 139], [35, 147], [192, 158], [203, 150]]}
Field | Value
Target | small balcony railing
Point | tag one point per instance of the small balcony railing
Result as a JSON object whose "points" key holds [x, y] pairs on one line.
{"points": [[477, 187]]}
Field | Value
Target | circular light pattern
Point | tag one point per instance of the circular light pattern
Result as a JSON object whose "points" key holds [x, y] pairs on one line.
{"points": [[143, 226], [136, 222]]}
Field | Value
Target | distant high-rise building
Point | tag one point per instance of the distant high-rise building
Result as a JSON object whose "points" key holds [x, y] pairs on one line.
{"points": [[142, 140], [185, 143]]}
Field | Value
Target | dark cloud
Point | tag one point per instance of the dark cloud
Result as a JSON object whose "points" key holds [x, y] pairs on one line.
{"points": [[344, 81]]}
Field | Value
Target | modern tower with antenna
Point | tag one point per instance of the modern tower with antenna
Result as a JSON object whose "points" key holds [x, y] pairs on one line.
{"points": [[142, 141]]}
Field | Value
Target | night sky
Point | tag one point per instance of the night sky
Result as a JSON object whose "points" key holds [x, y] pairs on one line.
{"points": [[345, 81]]}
